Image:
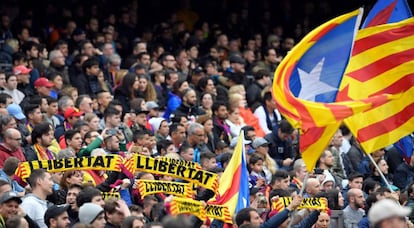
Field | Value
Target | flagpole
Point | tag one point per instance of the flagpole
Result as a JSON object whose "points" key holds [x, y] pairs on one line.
{"points": [[380, 172], [302, 189]]}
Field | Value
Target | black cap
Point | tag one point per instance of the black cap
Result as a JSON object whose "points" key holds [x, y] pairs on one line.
{"points": [[139, 111], [7, 196], [237, 59], [54, 211]]}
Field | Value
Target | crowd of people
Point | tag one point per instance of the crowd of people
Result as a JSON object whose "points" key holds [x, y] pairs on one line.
{"points": [[96, 89]]}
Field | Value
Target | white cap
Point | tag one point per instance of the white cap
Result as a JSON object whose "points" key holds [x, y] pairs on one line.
{"points": [[385, 209]]}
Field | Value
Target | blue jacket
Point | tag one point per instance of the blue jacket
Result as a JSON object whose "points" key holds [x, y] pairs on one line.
{"points": [[14, 185], [174, 101], [280, 217]]}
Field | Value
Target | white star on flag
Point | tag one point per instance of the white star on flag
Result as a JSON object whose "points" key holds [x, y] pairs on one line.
{"points": [[312, 84]]}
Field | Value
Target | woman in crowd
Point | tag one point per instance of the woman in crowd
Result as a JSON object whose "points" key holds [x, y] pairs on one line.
{"points": [[235, 121], [147, 88], [128, 90], [207, 123], [174, 97], [206, 102]]}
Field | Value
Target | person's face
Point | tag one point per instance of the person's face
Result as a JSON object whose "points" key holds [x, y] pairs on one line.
{"points": [[221, 113], [284, 183], [170, 149], [46, 139], [208, 126], [356, 183], [9, 208], [59, 59], [211, 163], [314, 188], [323, 220], [115, 218], [52, 108], [284, 136], [328, 185], [164, 128], [93, 70], [210, 87], [64, 49], [173, 78], [137, 224], [207, 101], [143, 83], [251, 135], [2, 80], [263, 150], [141, 119], [46, 184], [180, 134], [104, 99], [271, 57], [198, 136], [76, 178], [34, 52], [337, 140], [75, 142], [113, 145], [74, 96], [98, 200], [86, 105], [14, 141], [382, 164], [94, 124], [114, 120], [257, 167], [61, 221], [43, 105], [255, 218], [359, 199], [183, 87], [71, 197], [169, 62], [340, 200], [328, 159], [100, 221], [188, 155], [145, 59], [301, 173], [191, 98], [12, 83], [234, 116]]}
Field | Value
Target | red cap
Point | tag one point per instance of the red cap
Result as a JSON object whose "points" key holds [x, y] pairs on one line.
{"points": [[71, 112], [21, 69], [43, 82]]}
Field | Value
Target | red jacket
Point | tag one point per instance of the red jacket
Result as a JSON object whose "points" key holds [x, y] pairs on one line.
{"points": [[5, 153]]}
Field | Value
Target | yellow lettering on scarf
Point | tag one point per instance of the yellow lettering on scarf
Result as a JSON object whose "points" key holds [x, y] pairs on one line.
{"points": [[307, 203], [108, 195]]}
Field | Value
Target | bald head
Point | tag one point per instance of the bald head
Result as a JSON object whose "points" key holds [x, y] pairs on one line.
{"points": [[11, 132], [313, 187], [12, 138]]}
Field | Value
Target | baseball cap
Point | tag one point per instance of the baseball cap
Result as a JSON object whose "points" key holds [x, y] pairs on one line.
{"points": [[21, 69], [139, 111], [54, 211], [385, 209], [43, 82], [7, 196], [88, 212], [71, 112], [237, 59], [259, 142], [16, 111], [151, 105]]}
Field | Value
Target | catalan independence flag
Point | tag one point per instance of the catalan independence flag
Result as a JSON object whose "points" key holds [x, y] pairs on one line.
{"points": [[387, 11], [306, 84], [382, 63], [233, 189]]}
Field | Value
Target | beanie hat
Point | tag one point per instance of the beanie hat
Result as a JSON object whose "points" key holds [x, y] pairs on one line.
{"points": [[89, 212]]}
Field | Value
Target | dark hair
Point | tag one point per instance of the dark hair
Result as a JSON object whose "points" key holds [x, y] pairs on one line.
{"points": [[260, 74], [14, 221], [183, 149], [79, 124], [110, 205], [127, 83], [279, 175], [27, 46], [51, 100], [243, 215], [355, 175], [278, 192], [39, 130], [4, 97], [246, 129], [89, 63], [135, 208], [163, 145], [110, 111], [86, 195], [139, 134], [207, 155], [333, 198], [174, 127], [369, 185], [80, 99], [176, 87], [69, 134], [10, 165], [217, 105], [254, 158], [8, 76], [285, 127], [37, 174], [129, 221], [30, 109], [202, 83]]}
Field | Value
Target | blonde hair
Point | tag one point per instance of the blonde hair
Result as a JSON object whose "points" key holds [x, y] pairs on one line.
{"points": [[89, 116], [234, 100], [270, 164], [236, 89], [119, 76]]}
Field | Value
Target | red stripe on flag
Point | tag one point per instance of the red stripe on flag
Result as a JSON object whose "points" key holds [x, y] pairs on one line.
{"points": [[310, 137], [382, 65], [234, 188], [323, 32], [399, 86], [383, 16], [339, 111], [386, 36], [386, 125]]}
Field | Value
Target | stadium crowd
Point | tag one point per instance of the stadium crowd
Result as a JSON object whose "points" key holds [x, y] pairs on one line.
{"points": [[94, 87]]}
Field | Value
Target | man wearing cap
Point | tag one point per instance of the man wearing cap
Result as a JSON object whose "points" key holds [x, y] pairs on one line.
{"points": [[93, 214], [23, 78], [388, 213], [43, 86], [11, 88], [153, 109], [71, 115], [140, 120], [9, 206], [57, 216], [160, 128]]}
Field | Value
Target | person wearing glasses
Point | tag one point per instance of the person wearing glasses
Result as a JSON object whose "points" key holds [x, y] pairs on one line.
{"points": [[11, 146]]}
